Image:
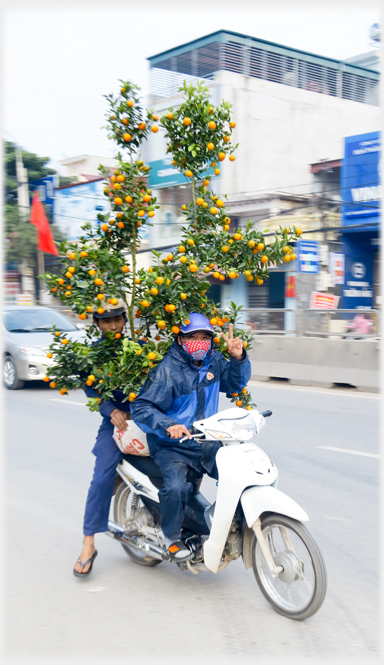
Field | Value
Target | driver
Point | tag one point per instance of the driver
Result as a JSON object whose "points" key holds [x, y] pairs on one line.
{"points": [[185, 387]]}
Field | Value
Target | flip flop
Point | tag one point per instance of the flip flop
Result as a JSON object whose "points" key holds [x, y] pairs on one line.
{"points": [[91, 560]]}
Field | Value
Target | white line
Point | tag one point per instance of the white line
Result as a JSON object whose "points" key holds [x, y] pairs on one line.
{"points": [[314, 389], [339, 519], [351, 452], [66, 401]]}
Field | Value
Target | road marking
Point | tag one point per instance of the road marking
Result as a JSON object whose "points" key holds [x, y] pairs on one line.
{"points": [[98, 588], [314, 389], [339, 519], [65, 401], [350, 452]]}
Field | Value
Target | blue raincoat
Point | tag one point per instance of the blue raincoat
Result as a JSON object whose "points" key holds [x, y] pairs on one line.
{"points": [[178, 392]]}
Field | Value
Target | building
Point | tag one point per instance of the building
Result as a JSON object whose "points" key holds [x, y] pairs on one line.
{"points": [[86, 167], [293, 110]]}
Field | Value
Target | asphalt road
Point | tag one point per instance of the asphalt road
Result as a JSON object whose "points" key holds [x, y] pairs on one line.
{"points": [[160, 613]]}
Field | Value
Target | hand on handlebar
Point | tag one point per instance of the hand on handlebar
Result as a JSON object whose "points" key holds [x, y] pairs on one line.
{"points": [[177, 431]]}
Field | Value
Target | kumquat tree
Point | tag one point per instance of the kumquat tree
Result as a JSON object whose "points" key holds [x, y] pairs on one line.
{"points": [[102, 265]]}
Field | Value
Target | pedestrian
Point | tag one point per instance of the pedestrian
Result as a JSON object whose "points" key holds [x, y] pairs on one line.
{"points": [[115, 413], [183, 388]]}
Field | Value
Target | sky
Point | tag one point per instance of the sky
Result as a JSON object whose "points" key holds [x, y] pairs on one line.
{"points": [[59, 59]]}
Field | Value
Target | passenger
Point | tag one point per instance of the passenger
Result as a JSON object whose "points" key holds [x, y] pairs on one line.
{"points": [[115, 413]]}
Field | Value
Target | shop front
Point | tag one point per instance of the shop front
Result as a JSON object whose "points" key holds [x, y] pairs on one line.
{"points": [[361, 193]]}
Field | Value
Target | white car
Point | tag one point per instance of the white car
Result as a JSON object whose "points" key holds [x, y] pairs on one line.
{"points": [[26, 338]]}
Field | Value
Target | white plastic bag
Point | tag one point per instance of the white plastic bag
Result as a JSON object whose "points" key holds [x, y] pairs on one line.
{"points": [[132, 441]]}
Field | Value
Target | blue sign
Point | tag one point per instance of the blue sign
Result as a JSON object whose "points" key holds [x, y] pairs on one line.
{"points": [[309, 256], [360, 180], [164, 174], [358, 288], [45, 187]]}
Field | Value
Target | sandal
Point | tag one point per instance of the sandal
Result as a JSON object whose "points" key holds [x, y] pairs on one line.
{"points": [[179, 551], [91, 560]]}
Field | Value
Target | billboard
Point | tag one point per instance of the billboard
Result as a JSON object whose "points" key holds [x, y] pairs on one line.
{"points": [[360, 177]]}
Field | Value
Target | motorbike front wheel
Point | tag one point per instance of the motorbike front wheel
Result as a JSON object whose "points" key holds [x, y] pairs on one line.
{"points": [[299, 590], [121, 511]]}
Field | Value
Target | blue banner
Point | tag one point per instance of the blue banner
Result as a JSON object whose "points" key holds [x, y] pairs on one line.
{"points": [[360, 180], [358, 288]]}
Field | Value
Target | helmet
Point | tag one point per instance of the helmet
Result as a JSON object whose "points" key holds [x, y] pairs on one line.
{"points": [[112, 310], [197, 322]]}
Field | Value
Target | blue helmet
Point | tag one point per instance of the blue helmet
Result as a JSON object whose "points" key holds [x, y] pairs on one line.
{"points": [[197, 322]]}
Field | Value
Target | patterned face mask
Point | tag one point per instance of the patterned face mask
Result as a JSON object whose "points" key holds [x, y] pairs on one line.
{"points": [[197, 348]]}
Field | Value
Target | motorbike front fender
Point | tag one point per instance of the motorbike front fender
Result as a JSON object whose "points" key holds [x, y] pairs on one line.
{"points": [[258, 500]]}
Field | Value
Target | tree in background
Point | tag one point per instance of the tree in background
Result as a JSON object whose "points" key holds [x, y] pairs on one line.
{"points": [[19, 234], [102, 265]]}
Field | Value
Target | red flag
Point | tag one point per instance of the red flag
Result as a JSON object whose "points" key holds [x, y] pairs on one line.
{"points": [[45, 240]]}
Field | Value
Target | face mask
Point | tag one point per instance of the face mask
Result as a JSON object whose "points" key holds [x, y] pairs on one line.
{"points": [[197, 348]]}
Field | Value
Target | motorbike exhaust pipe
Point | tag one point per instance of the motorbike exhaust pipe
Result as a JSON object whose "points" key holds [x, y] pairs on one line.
{"points": [[116, 531]]}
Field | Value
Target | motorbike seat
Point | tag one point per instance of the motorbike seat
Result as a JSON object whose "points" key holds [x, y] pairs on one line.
{"points": [[147, 466]]}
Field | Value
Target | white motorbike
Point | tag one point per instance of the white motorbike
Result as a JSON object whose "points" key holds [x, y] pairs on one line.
{"points": [[250, 517]]}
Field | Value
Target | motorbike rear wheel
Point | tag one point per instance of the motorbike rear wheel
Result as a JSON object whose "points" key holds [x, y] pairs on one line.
{"points": [[121, 511], [299, 590]]}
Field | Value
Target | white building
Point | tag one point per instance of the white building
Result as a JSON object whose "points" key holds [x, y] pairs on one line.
{"points": [[292, 111], [85, 167]]}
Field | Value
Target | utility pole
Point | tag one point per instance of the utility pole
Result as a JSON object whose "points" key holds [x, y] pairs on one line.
{"points": [[22, 186], [24, 211]]}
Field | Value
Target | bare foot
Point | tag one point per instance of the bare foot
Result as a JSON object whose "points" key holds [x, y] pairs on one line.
{"points": [[86, 553]]}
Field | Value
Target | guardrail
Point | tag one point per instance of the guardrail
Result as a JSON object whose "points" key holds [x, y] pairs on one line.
{"points": [[325, 324], [270, 320]]}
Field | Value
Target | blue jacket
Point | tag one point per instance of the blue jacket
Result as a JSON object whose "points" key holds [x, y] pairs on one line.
{"points": [[178, 392]]}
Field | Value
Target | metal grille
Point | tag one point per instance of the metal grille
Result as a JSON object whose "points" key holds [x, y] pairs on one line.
{"points": [[165, 83], [202, 63]]}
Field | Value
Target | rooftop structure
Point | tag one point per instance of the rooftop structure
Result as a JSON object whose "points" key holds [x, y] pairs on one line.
{"points": [[249, 56]]}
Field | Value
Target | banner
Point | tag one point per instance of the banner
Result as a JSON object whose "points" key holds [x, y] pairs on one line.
{"points": [[323, 300]]}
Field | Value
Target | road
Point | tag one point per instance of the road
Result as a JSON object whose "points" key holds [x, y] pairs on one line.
{"points": [[125, 610]]}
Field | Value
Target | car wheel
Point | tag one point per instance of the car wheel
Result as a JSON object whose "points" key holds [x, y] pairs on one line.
{"points": [[10, 378]]}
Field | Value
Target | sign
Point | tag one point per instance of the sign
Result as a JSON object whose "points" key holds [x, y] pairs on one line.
{"points": [[24, 299], [309, 256], [360, 177], [323, 300], [164, 174], [358, 280], [336, 267]]}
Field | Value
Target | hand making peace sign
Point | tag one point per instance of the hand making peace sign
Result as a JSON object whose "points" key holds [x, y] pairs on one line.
{"points": [[235, 346]]}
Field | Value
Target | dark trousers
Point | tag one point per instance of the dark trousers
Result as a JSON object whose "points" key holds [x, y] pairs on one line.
{"points": [[173, 495], [108, 456]]}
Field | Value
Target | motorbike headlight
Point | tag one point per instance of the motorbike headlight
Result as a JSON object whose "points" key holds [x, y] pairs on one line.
{"points": [[33, 351]]}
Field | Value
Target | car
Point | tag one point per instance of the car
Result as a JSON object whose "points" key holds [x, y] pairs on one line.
{"points": [[26, 338]]}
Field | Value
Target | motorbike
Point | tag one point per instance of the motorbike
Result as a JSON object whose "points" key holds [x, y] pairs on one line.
{"points": [[250, 518]]}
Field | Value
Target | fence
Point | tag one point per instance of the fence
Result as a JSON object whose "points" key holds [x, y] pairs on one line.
{"points": [[270, 321], [338, 323]]}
